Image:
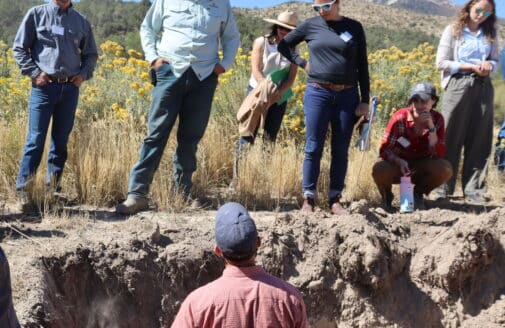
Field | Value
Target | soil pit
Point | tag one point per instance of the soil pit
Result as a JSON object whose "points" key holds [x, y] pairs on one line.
{"points": [[437, 268]]}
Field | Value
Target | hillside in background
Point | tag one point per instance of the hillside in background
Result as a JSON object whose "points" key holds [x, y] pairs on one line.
{"points": [[432, 7], [387, 22]]}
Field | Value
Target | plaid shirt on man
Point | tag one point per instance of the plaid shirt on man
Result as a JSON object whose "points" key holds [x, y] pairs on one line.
{"points": [[400, 128]]}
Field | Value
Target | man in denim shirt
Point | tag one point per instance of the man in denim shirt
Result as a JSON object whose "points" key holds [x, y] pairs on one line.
{"points": [[54, 46], [181, 40]]}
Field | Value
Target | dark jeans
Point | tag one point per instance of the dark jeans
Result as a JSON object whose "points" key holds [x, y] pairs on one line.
{"points": [[273, 122], [188, 99], [8, 318], [59, 102], [325, 107]]}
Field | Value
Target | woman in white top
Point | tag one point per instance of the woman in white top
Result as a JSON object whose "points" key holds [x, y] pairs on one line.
{"points": [[467, 54], [265, 59]]}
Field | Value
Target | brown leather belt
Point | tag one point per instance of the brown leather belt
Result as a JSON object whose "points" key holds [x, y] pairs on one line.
{"points": [[60, 79], [334, 87]]}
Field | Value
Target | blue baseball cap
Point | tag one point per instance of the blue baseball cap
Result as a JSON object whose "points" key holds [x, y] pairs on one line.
{"points": [[235, 231]]}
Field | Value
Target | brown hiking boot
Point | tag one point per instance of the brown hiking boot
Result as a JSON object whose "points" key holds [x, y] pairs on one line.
{"points": [[132, 206], [308, 204], [336, 207]]}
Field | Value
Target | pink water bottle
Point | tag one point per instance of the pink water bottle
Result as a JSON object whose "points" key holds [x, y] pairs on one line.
{"points": [[406, 195]]}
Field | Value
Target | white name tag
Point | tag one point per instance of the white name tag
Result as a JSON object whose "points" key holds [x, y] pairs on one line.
{"points": [[58, 30], [346, 36], [404, 142]]}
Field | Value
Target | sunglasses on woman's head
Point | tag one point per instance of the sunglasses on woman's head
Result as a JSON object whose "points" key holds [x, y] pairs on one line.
{"points": [[323, 6], [482, 11]]}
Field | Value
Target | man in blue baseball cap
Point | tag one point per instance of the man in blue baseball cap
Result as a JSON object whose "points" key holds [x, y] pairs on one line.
{"points": [[8, 318], [245, 295]]}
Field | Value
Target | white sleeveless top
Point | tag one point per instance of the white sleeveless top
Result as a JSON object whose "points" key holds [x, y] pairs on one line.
{"points": [[272, 61]]}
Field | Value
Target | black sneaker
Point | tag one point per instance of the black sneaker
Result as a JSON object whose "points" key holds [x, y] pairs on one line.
{"points": [[419, 204], [387, 201]]}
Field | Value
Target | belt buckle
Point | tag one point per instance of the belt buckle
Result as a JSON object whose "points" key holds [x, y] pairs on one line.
{"points": [[60, 80], [337, 87]]}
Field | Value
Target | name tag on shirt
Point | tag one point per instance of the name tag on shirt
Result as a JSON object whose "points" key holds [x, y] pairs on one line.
{"points": [[404, 142], [58, 30], [346, 36]]}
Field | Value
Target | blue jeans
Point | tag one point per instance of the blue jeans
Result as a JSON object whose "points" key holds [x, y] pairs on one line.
{"points": [[325, 107], [273, 122], [59, 102], [188, 99]]}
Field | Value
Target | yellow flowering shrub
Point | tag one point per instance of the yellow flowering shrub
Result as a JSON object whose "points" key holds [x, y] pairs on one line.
{"points": [[121, 84]]}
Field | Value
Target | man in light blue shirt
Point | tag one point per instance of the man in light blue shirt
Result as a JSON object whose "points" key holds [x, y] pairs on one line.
{"points": [[181, 39], [54, 45]]}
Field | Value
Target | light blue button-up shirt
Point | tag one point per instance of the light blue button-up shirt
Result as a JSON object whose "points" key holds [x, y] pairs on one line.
{"points": [[473, 49], [55, 41], [188, 33]]}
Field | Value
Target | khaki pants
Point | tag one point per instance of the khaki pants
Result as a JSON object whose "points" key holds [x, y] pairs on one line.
{"points": [[468, 113], [427, 174]]}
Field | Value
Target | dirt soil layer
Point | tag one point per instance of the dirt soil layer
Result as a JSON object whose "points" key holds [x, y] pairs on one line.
{"points": [[436, 268]]}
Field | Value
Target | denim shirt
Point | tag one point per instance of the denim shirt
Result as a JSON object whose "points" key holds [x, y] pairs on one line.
{"points": [[54, 41], [188, 33], [473, 49]]}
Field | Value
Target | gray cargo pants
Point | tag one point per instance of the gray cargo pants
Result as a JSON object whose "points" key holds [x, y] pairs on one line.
{"points": [[467, 108]]}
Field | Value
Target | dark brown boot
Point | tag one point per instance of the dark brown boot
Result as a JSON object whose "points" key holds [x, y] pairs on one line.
{"points": [[336, 207], [308, 204]]}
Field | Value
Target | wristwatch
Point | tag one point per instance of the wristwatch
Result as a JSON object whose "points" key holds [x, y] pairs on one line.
{"points": [[432, 130]]}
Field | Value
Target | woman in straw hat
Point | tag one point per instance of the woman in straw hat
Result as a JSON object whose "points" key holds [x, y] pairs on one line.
{"points": [[265, 59], [338, 65]]}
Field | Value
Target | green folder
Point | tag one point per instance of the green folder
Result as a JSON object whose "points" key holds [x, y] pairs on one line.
{"points": [[279, 76]]}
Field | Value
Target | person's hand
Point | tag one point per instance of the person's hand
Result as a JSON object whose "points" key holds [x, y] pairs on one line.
{"points": [[218, 69], [480, 70], [158, 62], [276, 96], [307, 67], [486, 66], [77, 80], [404, 167], [363, 109], [41, 79], [426, 120]]}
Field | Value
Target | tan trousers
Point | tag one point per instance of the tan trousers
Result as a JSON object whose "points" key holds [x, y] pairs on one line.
{"points": [[427, 174]]}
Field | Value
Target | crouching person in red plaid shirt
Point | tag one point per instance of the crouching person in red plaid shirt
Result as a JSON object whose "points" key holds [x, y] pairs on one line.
{"points": [[413, 145]]}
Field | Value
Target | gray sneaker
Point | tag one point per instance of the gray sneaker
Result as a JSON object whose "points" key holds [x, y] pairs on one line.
{"points": [[132, 206], [23, 202]]}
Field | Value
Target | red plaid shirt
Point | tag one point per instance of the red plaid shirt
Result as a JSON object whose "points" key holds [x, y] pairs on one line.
{"points": [[401, 125]]}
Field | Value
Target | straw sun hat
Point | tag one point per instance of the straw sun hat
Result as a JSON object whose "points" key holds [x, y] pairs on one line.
{"points": [[287, 19]]}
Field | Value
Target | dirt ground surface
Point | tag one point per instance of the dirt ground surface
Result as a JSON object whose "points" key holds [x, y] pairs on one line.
{"points": [[87, 267]]}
